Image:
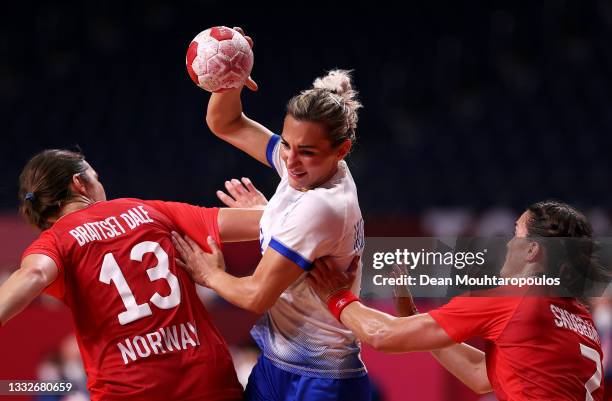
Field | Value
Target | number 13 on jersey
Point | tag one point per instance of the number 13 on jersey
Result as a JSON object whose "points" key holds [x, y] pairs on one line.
{"points": [[133, 311]]}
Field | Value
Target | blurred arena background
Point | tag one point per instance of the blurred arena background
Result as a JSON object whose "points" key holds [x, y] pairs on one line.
{"points": [[472, 111]]}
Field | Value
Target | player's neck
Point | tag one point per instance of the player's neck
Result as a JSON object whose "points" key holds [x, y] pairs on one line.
{"points": [[71, 206], [531, 270], [323, 180]]}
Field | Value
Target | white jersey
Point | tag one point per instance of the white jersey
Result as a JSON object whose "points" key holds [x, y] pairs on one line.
{"points": [[298, 333]]}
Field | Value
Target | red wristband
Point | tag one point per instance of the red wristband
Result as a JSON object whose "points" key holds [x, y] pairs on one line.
{"points": [[340, 300]]}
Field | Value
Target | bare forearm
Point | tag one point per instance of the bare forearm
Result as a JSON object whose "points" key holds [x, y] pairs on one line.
{"points": [[239, 224], [226, 120], [240, 291], [18, 291], [391, 334], [368, 325], [467, 364], [382, 331], [224, 109]]}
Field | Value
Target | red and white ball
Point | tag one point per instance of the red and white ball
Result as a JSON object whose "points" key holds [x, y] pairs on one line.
{"points": [[219, 58]]}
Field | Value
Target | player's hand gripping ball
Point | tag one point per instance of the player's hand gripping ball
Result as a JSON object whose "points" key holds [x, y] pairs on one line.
{"points": [[219, 58]]}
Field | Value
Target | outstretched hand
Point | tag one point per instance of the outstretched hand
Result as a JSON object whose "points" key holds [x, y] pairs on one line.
{"points": [[200, 265], [326, 280], [242, 194]]}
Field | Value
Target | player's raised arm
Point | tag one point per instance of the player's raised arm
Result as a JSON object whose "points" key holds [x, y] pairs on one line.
{"points": [[26, 283], [226, 119]]}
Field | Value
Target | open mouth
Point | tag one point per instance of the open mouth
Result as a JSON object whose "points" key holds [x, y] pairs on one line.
{"points": [[295, 174]]}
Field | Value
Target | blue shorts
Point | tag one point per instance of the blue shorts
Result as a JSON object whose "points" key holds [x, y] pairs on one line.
{"points": [[270, 383]]}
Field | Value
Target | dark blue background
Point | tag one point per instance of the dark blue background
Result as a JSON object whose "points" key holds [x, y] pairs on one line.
{"points": [[468, 104]]}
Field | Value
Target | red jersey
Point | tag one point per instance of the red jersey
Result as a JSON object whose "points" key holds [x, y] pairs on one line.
{"points": [[142, 331], [537, 348]]}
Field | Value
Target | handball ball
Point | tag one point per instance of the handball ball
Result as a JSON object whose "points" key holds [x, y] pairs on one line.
{"points": [[219, 58]]}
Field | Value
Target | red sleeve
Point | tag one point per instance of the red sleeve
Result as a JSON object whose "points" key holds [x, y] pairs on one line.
{"points": [[465, 317], [47, 245], [194, 221]]}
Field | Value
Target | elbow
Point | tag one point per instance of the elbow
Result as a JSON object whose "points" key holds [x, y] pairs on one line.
{"points": [[380, 339], [482, 388], [214, 124], [390, 335], [380, 343], [479, 381], [376, 341], [258, 303], [37, 277], [219, 124], [257, 309]]}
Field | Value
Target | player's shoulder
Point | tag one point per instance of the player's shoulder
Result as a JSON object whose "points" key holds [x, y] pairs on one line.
{"points": [[337, 193], [156, 208], [48, 243], [117, 202], [121, 203], [498, 298], [47, 236], [317, 204]]}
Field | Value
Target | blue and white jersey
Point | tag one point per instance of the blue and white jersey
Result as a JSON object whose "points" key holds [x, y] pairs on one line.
{"points": [[298, 334]]}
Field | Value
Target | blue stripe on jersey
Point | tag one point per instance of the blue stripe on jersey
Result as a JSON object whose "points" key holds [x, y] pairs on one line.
{"points": [[270, 149], [290, 254]]}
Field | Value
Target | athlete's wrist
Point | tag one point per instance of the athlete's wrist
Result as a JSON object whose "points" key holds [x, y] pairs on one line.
{"points": [[212, 278], [337, 301]]}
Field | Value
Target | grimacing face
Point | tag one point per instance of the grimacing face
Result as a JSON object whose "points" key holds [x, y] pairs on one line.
{"points": [[308, 154]]}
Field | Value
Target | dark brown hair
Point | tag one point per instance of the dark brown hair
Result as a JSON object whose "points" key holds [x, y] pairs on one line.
{"points": [[44, 184], [568, 239]]}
